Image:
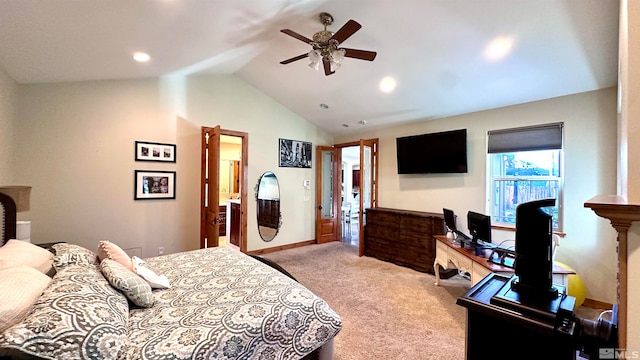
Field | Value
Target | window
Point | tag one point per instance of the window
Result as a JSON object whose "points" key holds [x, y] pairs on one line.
{"points": [[524, 164]]}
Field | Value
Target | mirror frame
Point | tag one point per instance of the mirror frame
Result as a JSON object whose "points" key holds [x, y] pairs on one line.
{"points": [[256, 189]]}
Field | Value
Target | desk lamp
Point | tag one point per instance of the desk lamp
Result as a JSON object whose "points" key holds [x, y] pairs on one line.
{"points": [[21, 196]]}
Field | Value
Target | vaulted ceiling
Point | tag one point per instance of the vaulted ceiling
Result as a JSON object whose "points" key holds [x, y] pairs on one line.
{"points": [[436, 51]]}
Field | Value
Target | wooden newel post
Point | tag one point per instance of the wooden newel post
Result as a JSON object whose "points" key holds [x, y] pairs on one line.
{"points": [[621, 215]]}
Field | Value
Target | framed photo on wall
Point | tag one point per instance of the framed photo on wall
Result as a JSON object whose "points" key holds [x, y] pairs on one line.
{"points": [[295, 153], [149, 151], [152, 185]]}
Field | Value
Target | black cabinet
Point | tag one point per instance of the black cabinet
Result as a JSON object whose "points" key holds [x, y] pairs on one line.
{"points": [[526, 329]]}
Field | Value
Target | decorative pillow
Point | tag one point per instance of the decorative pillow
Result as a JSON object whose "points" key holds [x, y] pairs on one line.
{"points": [[79, 316], [20, 287], [27, 254], [72, 259], [132, 286], [66, 248], [109, 250], [157, 281]]}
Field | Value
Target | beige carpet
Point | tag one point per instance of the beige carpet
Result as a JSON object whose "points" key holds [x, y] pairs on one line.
{"points": [[387, 311]]}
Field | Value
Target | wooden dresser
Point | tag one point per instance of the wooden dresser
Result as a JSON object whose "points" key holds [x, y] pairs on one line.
{"points": [[269, 213], [403, 237]]}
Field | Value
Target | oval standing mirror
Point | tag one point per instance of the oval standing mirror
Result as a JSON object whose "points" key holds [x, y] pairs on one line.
{"points": [[268, 196]]}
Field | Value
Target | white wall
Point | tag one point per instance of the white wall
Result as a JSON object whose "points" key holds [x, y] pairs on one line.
{"points": [[8, 120], [235, 105], [76, 148], [590, 152], [630, 142]]}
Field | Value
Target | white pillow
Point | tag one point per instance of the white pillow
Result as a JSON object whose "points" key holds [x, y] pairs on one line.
{"points": [[157, 281], [20, 288], [5, 264], [27, 254]]}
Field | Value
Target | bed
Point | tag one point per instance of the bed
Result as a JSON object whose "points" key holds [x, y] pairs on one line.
{"points": [[220, 304]]}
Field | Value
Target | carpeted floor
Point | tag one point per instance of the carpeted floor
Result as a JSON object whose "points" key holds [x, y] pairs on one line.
{"points": [[387, 311]]}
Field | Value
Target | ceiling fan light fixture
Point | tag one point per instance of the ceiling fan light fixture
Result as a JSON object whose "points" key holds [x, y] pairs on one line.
{"points": [[326, 53], [334, 66], [315, 65], [337, 55], [316, 59]]}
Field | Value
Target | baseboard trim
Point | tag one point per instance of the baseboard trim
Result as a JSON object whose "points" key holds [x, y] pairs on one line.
{"points": [[597, 304], [282, 247]]}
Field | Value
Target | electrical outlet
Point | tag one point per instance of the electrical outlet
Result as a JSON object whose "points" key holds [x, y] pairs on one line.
{"points": [[161, 250]]}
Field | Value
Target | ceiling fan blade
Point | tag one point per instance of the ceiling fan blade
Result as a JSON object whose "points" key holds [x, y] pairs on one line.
{"points": [[346, 30], [296, 35], [284, 62], [360, 54], [327, 67]]}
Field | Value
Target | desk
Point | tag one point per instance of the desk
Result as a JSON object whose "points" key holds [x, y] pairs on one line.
{"points": [[465, 259]]}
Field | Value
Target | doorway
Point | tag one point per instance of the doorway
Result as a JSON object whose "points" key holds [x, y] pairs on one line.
{"points": [[350, 191], [343, 212], [224, 186]]}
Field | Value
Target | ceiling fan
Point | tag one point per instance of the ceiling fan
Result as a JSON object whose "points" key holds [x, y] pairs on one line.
{"points": [[326, 44]]}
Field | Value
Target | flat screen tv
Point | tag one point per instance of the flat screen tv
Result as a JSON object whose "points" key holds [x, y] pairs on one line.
{"points": [[433, 153]]}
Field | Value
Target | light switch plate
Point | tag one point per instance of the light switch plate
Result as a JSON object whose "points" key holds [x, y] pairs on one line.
{"points": [[307, 184]]}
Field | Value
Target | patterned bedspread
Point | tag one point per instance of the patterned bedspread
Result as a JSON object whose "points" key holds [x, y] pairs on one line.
{"points": [[223, 304]]}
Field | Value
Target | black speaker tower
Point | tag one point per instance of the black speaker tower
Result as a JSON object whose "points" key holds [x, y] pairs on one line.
{"points": [[534, 250]]}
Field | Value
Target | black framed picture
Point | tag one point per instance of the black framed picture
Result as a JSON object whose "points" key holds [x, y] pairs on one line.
{"points": [[150, 151], [295, 153], [152, 185]]}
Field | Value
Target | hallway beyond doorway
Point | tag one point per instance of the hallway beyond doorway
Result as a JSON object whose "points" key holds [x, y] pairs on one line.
{"points": [[351, 233]]}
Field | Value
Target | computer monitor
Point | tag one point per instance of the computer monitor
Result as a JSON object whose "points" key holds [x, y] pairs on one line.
{"points": [[479, 227], [450, 223], [449, 219]]}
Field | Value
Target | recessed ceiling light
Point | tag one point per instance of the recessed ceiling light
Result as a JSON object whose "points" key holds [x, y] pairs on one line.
{"points": [[345, 125], [363, 122], [141, 57], [324, 106], [387, 84], [498, 48]]}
